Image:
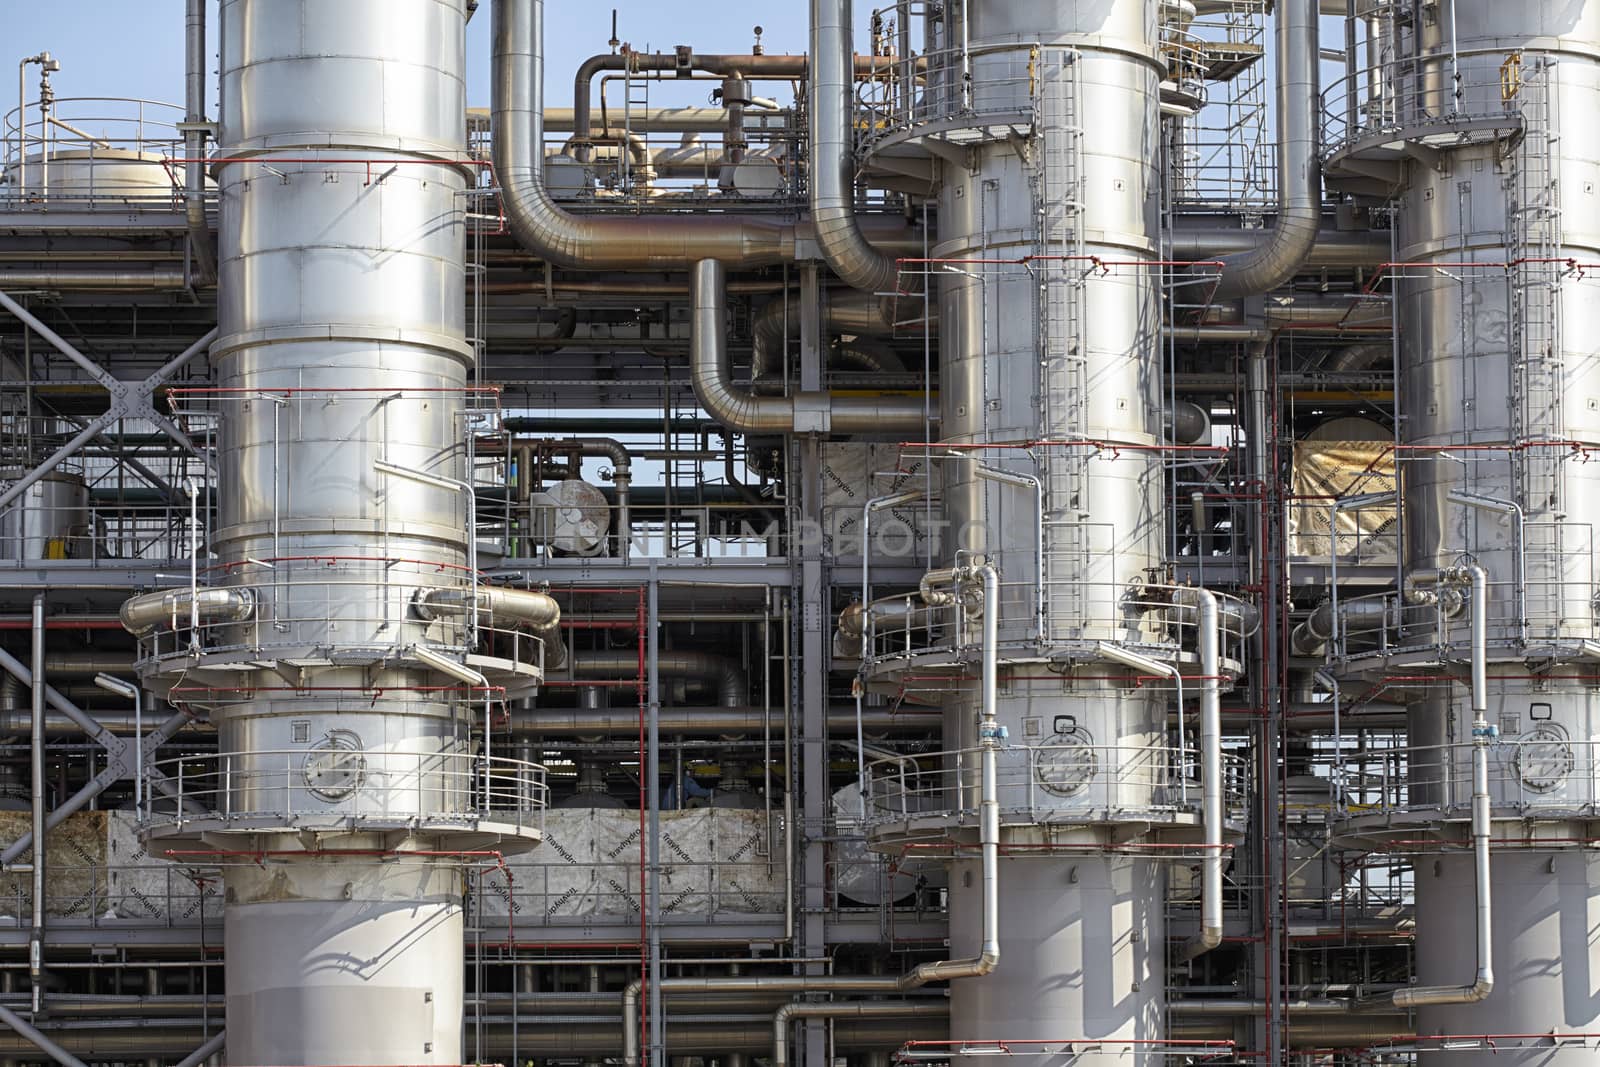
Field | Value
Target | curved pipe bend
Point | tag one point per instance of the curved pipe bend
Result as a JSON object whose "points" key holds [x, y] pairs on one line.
{"points": [[711, 371], [1284, 249], [832, 134]]}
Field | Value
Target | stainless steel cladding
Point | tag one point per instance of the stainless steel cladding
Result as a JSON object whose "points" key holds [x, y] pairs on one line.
{"points": [[1061, 358], [50, 520], [1497, 368], [343, 707]]}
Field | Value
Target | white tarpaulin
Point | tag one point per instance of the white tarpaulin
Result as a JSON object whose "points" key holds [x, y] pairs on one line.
{"points": [[853, 474], [151, 887], [588, 864]]}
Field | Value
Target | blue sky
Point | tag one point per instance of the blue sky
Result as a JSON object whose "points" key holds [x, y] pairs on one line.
{"points": [[135, 47]]}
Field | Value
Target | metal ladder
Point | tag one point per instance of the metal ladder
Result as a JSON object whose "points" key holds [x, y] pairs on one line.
{"points": [[635, 109], [1537, 373], [1058, 183]]}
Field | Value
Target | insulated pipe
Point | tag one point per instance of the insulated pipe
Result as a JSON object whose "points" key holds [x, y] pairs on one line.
{"points": [[150, 279], [1311, 637], [711, 371], [711, 722], [118, 721], [36, 797], [85, 721], [1334, 248], [194, 143], [141, 615], [1209, 936], [831, 124], [725, 675], [536, 612], [649, 242], [1359, 358], [847, 311], [848, 1009], [1283, 250], [1482, 983]]}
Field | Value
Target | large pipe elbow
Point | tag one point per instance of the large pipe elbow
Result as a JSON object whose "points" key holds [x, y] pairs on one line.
{"points": [[527, 609], [1284, 249], [833, 207], [711, 372]]}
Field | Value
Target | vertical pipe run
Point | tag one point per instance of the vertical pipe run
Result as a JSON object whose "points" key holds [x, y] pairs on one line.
{"points": [[1482, 983], [36, 796], [194, 142], [652, 782], [990, 734], [1209, 936]]}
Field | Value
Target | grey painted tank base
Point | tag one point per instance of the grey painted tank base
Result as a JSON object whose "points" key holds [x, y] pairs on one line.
{"points": [[1082, 943], [344, 962], [1546, 959]]}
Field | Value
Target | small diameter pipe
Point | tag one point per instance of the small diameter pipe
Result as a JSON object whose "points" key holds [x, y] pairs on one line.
{"points": [[1026, 481], [1209, 936], [36, 796], [1482, 983], [990, 735], [129, 691], [205, 258], [740, 410], [1513, 509]]}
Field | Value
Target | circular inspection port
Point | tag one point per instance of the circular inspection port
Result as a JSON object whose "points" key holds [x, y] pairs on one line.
{"points": [[336, 766]]}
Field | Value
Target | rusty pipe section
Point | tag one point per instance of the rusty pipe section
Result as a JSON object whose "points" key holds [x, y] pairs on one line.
{"points": [[648, 242], [711, 371]]}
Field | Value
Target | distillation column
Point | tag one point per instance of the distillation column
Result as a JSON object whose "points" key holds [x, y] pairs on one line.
{"points": [[1049, 363], [1023, 358], [343, 575], [1501, 404]]}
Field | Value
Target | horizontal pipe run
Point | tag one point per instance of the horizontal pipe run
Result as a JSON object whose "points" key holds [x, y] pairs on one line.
{"points": [[154, 279], [175, 608], [848, 1009]]}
